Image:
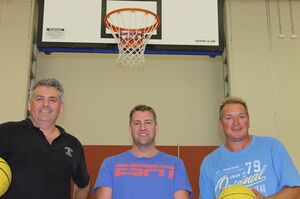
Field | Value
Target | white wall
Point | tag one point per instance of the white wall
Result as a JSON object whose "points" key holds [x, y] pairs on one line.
{"points": [[263, 60], [184, 90], [15, 53]]}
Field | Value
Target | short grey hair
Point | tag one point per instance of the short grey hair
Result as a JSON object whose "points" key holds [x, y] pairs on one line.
{"points": [[48, 83]]}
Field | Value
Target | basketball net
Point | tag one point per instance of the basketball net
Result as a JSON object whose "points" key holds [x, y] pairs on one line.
{"points": [[132, 29]]}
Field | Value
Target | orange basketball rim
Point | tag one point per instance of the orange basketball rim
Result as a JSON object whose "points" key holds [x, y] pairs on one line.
{"points": [[132, 29]]}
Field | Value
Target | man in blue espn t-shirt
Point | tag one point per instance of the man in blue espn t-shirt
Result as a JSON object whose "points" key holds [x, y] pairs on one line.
{"points": [[142, 172]]}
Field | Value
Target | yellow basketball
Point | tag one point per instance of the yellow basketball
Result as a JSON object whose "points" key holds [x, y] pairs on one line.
{"points": [[237, 192], [5, 176]]}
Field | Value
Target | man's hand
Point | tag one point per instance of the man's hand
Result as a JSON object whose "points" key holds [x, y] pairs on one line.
{"points": [[258, 194]]}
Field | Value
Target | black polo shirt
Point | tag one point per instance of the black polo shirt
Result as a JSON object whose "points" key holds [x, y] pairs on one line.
{"points": [[40, 170]]}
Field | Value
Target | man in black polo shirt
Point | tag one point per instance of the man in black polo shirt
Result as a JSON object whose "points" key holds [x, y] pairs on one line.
{"points": [[43, 158]]}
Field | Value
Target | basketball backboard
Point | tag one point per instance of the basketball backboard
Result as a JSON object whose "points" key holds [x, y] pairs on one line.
{"points": [[187, 27]]}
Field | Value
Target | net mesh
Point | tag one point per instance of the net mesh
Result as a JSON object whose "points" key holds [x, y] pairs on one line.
{"points": [[132, 29]]}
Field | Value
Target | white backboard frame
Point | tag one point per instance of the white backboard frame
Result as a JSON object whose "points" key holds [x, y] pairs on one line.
{"points": [[187, 27]]}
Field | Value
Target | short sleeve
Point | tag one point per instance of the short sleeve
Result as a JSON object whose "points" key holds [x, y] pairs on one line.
{"points": [[181, 178], [284, 167], [105, 175], [4, 141], [81, 177], [206, 186]]}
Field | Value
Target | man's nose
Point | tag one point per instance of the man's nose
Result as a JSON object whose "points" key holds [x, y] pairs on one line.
{"points": [[45, 102], [236, 120], [142, 126]]}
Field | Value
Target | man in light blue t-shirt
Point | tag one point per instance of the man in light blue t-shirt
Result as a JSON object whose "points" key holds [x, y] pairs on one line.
{"points": [[260, 163], [142, 172]]}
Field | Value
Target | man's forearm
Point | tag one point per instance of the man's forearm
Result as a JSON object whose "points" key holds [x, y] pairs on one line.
{"points": [[287, 193], [82, 193]]}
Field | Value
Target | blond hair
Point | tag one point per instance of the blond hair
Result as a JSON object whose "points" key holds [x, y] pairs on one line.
{"points": [[232, 100]]}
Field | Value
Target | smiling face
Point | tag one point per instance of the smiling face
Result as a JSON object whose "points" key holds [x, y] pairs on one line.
{"points": [[143, 128], [45, 106], [235, 123]]}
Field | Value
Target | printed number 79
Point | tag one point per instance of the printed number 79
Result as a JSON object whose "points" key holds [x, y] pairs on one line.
{"points": [[255, 164]]}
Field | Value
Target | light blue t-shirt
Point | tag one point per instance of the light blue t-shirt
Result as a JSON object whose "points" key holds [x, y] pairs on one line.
{"points": [[264, 164], [130, 177]]}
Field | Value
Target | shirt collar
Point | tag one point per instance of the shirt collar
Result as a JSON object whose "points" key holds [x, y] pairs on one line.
{"points": [[28, 123]]}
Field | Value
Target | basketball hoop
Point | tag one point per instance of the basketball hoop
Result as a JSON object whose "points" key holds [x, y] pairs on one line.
{"points": [[132, 29]]}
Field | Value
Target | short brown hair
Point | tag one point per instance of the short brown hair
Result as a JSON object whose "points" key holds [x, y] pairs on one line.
{"points": [[142, 108], [232, 100]]}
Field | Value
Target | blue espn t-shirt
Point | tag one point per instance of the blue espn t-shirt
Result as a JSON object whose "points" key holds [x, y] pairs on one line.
{"points": [[130, 177]]}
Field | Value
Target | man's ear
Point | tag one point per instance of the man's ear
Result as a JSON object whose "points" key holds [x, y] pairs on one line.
{"points": [[29, 105], [220, 125], [129, 129], [62, 106]]}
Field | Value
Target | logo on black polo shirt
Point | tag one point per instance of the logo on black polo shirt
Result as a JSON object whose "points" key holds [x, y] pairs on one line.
{"points": [[68, 151]]}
